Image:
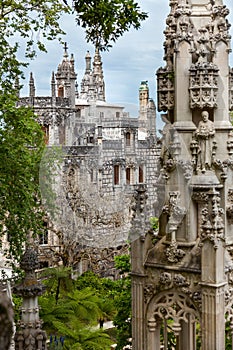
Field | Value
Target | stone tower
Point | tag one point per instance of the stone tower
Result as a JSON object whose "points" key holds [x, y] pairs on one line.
{"points": [[183, 275], [66, 77]]}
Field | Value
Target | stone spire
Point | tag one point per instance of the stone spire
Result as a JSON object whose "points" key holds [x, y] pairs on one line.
{"points": [[66, 77], [29, 335], [88, 63], [32, 89], [147, 110], [93, 86], [53, 85], [98, 76], [17, 86]]}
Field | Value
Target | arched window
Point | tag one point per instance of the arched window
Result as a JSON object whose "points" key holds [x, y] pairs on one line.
{"points": [[61, 91], [140, 174], [128, 176], [128, 139], [45, 129]]}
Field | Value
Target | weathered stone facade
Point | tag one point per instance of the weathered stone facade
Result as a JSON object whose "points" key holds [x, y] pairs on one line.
{"points": [[182, 276], [105, 153]]}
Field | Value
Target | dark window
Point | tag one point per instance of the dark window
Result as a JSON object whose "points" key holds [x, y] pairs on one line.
{"points": [[128, 174], [61, 91], [92, 175], [117, 114], [128, 137], [116, 174], [45, 129], [91, 139], [140, 174], [44, 264]]}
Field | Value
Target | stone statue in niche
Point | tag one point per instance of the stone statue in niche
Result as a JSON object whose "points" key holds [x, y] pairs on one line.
{"points": [[165, 154], [204, 134]]}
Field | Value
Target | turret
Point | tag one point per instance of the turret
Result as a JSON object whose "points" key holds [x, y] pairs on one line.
{"points": [[92, 85], [147, 110], [66, 77], [98, 76]]}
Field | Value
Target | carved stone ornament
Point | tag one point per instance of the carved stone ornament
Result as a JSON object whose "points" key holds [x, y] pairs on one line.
{"points": [[212, 225], [30, 286], [30, 338], [200, 196], [165, 82], [165, 278], [174, 211], [203, 146], [140, 223], [230, 144], [203, 85], [231, 89], [149, 291], [229, 209], [186, 168], [177, 307], [29, 334], [180, 281], [173, 253], [221, 24]]}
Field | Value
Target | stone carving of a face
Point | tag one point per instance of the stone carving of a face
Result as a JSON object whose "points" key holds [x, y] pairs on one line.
{"points": [[205, 116]]}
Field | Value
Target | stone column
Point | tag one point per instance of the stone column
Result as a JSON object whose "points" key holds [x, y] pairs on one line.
{"points": [[153, 342], [213, 321], [187, 335], [213, 273], [29, 335], [138, 341]]}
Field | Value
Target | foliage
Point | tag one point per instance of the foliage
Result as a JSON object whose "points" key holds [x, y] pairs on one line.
{"points": [[154, 223], [51, 313], [21, 137], [73, 315], [21, 147], [32, 20], [79, 338], [105, 20], [57, 281], [122, 302], [228, 336], [17, 303], [103, 288], [91, 280]]}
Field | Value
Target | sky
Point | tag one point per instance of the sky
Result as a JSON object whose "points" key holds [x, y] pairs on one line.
{"points": [[134, 57]]}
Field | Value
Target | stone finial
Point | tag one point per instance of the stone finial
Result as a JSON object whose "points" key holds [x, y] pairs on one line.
{"points": [[140, 224], [29, 335], [88, 62], [32, 90], [53, 85], [65, 55]]}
